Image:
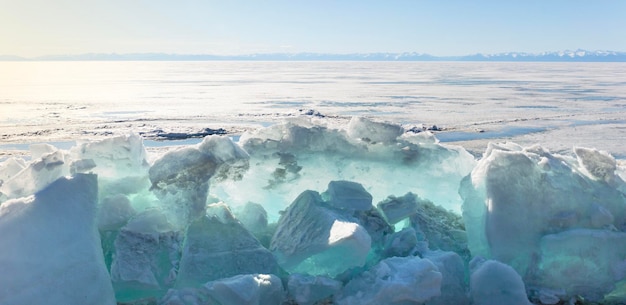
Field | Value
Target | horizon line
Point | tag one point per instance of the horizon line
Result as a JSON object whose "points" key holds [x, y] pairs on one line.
{"points": [[563, 55]]}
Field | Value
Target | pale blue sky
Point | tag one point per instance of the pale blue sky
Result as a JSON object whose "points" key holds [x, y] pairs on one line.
{"points": [[45, 27]]}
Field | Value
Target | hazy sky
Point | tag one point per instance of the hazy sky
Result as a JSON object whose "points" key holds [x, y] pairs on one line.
{"points": [[438, 27]]}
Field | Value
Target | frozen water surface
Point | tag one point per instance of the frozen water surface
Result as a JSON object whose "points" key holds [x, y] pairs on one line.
{"points": [[274, 193], [52, 101]]}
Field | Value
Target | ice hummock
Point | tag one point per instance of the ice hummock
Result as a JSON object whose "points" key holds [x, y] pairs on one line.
{"points": [[559, 221], [314, 238], [290, 157], [356, 214]]}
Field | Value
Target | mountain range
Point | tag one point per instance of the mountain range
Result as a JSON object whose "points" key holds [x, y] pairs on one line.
{"points": [[561, 56]]}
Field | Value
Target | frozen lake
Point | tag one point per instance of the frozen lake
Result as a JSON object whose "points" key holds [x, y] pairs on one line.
{"points": [[558, 105]]}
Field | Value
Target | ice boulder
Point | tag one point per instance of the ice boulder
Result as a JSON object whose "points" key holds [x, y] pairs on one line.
{"points": [[247, 289], [454, 286], [441, 229], [233, 159], [218, 246], [119, 161], [183, 296], [348, 195], [372, 131], [180, 178], [115, 211], [253, 217], [294, 135], [34, 177], [115, 157], [244, 289], [396, 209], [307, 153], [10, 167], [494, 283], [146, 255], [313, 238], [310, 290], [402, 243], [393, 281], [596, 164], [51, 251], [583, 262], [517, 196]]}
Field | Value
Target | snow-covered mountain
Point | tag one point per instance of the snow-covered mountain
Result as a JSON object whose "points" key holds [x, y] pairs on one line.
{"points": [[567, 55], [560, 56]]}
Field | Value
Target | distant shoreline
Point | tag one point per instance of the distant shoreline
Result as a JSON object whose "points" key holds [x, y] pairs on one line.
{"points": [[560, 56]]}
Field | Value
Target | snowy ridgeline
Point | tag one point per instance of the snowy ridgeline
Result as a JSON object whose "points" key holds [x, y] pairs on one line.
{"points": [[304, 213]]}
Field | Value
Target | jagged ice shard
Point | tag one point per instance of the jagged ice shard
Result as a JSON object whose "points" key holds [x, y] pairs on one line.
{"points": [[310, 212], [558, 221]]}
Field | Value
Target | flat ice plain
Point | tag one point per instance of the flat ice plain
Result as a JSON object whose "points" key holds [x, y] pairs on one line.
{"points": [[558, 105]]}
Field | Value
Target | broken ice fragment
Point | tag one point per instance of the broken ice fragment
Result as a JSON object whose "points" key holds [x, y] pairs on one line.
{"points": [[396, 209], [311, 238], [114, 212], [494, 283], [443, 230], [582, 262], [218, 247], [348, 195], [599, 164], [402, 243], [253, 217], [453, 285], [243, 289], [180, 178], [309, 290], [51, 252], [82, 166], [115, 157], [181, 168], [36, 176], [393, 281], [233, 159], [247, 289], [515, 196], [372, 131], [147, 250]]}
